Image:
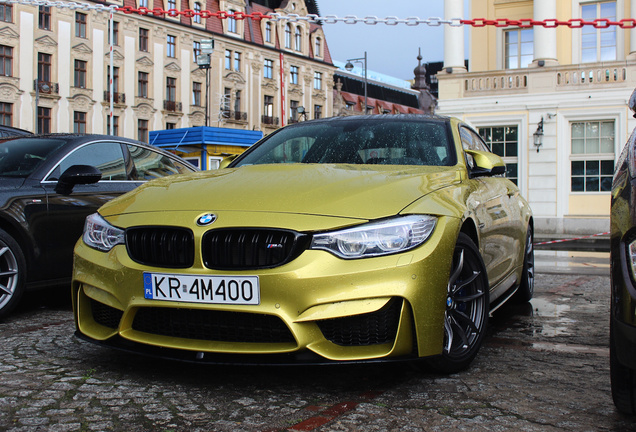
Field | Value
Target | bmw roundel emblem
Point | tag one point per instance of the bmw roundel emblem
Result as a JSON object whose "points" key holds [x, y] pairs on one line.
{"points": [[206, 219]]}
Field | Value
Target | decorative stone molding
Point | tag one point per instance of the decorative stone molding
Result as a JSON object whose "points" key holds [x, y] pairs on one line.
{"points": [[172, 67], [144, 111], [9, 92]]}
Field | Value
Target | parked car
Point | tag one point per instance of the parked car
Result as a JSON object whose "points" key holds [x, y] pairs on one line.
{"points": [[335, 240], [623, 274], [48, 185], [9, 131]]}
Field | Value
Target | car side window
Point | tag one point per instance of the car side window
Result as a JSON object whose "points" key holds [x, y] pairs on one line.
{"points": [[107, 157], [151, 165]]}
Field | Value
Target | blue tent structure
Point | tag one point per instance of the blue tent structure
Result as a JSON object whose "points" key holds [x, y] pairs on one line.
{"points": [[203, 139]]}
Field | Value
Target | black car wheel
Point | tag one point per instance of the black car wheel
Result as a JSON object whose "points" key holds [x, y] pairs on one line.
{"points": [[467, 306], [12, 273], [623, 380], [526, 288]]}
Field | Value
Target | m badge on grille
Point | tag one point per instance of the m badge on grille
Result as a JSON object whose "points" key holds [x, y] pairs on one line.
{"points": [[206, 219]]}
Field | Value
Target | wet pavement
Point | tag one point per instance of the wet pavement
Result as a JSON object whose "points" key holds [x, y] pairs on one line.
{"points": [[544, 366]]}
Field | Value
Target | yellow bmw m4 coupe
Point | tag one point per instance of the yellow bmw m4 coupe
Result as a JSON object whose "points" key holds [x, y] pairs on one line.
{"points": [[349, 239]]}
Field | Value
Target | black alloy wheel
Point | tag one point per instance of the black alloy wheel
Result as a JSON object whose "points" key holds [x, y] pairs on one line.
{"points": [[467, 306], [622, 378], [526, 287], [12, 272]]}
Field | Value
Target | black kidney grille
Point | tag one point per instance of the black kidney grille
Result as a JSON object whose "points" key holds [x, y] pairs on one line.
{"points": [[161, 246], [210, 325], [250, 248], [367, 329], [105, 315]]}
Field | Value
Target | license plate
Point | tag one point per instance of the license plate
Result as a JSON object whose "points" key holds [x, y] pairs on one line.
{"points": [[239, 290]]}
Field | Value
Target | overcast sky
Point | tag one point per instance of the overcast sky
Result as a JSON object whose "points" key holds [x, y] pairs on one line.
{"points": [[391, 50]]}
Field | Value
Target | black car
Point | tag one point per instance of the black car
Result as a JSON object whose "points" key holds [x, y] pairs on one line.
{"points": [[623, 273], [9, 131], [48, 185]]}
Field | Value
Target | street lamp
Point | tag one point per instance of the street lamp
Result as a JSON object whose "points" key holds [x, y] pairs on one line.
{"points": [[204, 60], [349, 68]]}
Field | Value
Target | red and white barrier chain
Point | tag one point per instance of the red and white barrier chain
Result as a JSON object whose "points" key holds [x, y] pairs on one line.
{"points": [[570, 239], [627, 23]]}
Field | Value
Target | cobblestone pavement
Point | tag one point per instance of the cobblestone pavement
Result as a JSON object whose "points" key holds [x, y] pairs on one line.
{"points": [[544, 367]]}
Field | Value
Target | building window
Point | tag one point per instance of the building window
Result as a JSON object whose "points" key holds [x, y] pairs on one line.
{"points": [[80, 25], [318, 47], [196, 93], [227, 99], [598, 44], [268, 71], [293, 111], [142, 84], [44, 120], [196, 50], [237, 61], [592, 157], [237, 101], [231, 22], [115, 125], [79, 122], [44, 18], [79, 79], [6, 114], [318, 80], [268, 106], [115, 80], [504, 141], [293, 74], [44, 67], [170, 126], [115, 32], [288, 36], [298, 39], [143, 39], [171, 89], [228, 60], [519, 48], [6, 60], [197, 10], [6, 12], [142, 130], [172, 4], [143, 3], [268, 32], [171, 49], [317, 111]]}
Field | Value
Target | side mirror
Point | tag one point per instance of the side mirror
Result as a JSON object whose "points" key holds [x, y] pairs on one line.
{"points": [[485, 164], [226, 161], [77, 174]]}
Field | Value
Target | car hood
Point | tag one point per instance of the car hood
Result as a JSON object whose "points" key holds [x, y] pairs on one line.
{"points": [[352, 191]]}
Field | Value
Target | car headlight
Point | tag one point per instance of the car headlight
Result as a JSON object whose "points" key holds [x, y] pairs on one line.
{"points": [[377, 238], [631, 258], [101, 235]]}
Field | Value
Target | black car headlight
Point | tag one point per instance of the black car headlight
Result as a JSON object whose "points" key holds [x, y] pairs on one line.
{"points": [[101, 235], [377, 238]]}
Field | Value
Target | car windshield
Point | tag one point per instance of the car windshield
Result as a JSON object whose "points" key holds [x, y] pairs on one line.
{"points": [[357, 141], [20, 157]]}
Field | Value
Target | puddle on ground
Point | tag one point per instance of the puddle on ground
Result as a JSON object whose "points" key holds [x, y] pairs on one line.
{"points": [[559, 325]]}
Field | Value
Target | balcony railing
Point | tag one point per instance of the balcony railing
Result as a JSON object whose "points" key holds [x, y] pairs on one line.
{"points": [[118, 98], [173, 106], [46, 87], [234, 115], [270, 120], [591, 75]]}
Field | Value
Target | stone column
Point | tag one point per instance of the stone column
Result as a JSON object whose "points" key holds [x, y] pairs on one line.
{"points": [[545, 39], [454, 38]]}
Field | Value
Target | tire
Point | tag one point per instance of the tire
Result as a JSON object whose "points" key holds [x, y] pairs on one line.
{"points": [[12, 273], [623, 380], [526, 287], [467, 307]]}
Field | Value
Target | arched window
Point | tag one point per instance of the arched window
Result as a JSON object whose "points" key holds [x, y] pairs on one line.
{"points": [[231, 22], [197, 9], [318, 47], [288, 36], [298, 39]]}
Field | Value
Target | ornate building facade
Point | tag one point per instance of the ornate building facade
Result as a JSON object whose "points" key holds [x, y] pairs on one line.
{"points": [[55, 67]]}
